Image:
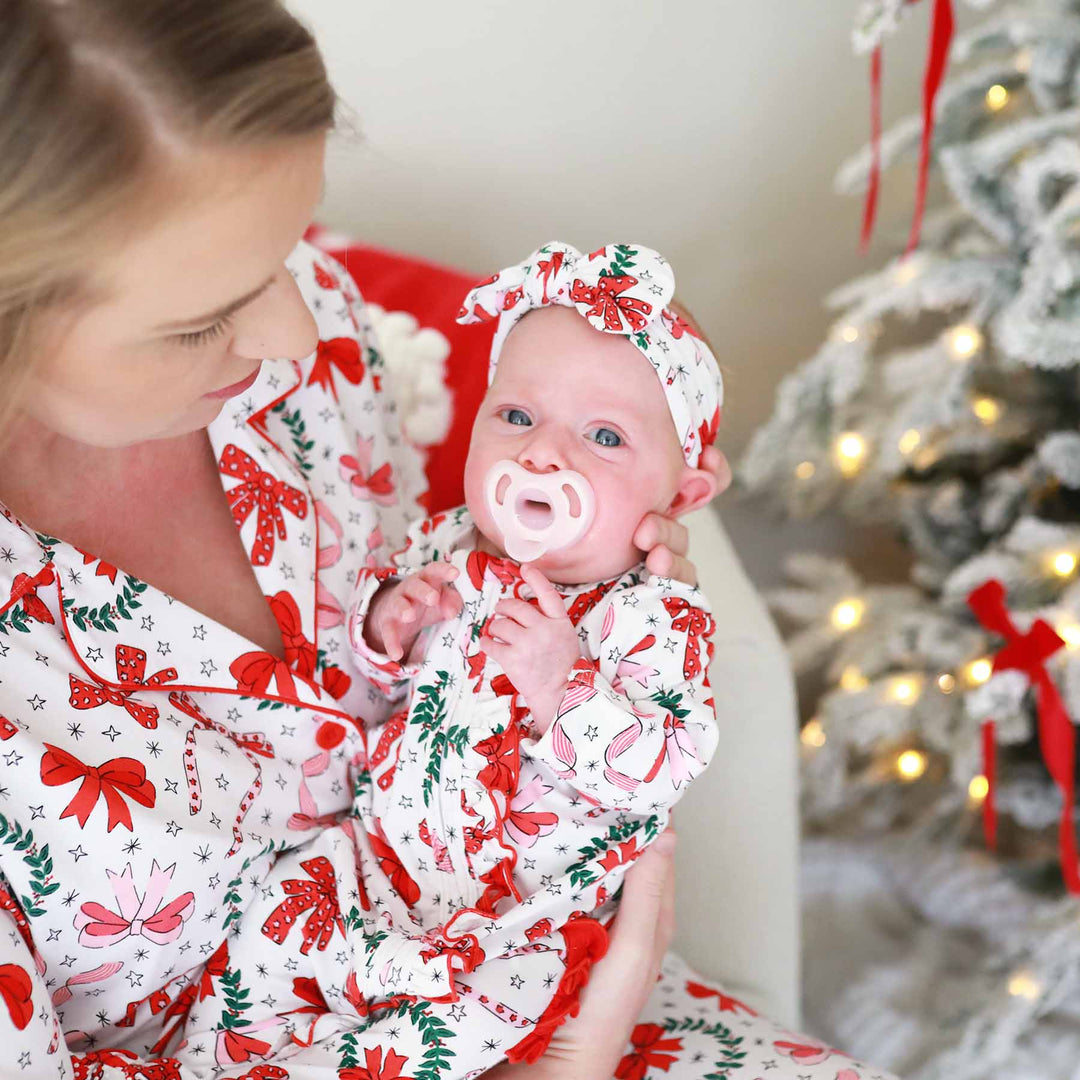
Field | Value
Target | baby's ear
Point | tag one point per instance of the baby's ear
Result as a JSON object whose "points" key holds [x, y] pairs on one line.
{"points": [[696, 489]]}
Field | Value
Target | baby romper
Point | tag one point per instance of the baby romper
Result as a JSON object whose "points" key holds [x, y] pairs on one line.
{"points": [[460, 906]]}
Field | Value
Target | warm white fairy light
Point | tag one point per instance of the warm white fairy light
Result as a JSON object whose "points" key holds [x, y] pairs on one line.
{"points": [[813, 734], [1023, 60], [852, 679], [1064, 564], [909, 441], [905, 689], [987, 409], [1069, 631], [805, 470], [964, 341], [946, 683], [906, 271], [847, 614], [850, 334], [978, 671], [911, 764], [978, 789], [850, 451], [997, 97], [1023, 984]]}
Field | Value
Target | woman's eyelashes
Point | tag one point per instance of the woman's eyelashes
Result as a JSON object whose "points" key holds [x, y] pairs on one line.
{"points": [[196, 338]]}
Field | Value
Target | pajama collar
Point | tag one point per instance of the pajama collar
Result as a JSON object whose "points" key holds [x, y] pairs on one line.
{"points": [[620, 289]]}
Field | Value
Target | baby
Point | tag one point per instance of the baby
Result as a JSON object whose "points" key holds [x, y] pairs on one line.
{"points": [[557, 699]]}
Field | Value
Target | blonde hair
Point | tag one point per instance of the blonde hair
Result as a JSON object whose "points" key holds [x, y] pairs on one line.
{"points": [[91, 91]]}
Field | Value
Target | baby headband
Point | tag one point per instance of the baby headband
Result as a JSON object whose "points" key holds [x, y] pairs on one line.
{"points": [[620, 289]]}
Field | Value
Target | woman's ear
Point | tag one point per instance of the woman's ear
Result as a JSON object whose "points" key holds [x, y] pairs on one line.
{"points": [[697, 488]]}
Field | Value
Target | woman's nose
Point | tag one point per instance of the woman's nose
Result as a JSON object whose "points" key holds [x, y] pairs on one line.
{"points": [[276, 325]]}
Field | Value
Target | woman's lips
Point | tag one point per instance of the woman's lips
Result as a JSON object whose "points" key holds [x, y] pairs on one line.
{"points": [[235, 388]]}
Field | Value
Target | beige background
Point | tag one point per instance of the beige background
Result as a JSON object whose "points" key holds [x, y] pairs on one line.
{"points": [[709, 129]]}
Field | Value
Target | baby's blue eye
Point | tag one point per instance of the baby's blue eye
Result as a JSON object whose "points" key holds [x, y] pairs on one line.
{"points": [[517, 416], [606, 437]]}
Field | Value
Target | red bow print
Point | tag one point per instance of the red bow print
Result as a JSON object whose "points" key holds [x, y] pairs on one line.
{"points": [[586, 601], [723, 1002], [130, 669], [16, 989], [479, 563], [394, 869], [651, 1051], [299, 652], [341, 353], [25, 587], [115, 779], [696, 624], [323, 278], [503, 756], [627, 853], [104, 569], [254, 671], [376, 1068], [608, 302], [261, 491], [319, 896], [1028, 653]]}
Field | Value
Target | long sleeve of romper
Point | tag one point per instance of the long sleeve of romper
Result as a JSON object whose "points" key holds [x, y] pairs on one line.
{"points": [[636, 722], [390, 677]]}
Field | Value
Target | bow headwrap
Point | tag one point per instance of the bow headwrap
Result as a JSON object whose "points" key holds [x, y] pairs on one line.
{"points": [[620, 289]]}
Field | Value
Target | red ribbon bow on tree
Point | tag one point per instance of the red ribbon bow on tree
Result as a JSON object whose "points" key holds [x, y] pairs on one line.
{"points": [[941, 31], [262, 491], [1057, 739], [115, 779]]}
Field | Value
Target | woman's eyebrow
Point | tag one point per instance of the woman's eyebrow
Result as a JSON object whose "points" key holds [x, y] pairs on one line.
{"points": [[220, 313]]}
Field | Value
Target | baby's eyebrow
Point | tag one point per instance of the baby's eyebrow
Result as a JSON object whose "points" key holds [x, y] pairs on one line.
{"points": [[221, 313]]}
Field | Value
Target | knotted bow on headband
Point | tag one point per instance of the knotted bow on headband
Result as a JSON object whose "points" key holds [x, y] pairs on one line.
{"points": [[620, 289]]}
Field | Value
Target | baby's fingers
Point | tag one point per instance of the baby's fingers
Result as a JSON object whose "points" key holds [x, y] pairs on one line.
{"points": [[551, 603]]}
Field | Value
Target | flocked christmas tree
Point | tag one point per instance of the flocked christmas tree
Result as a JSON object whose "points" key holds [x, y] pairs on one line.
{"points": [[940, 764]]}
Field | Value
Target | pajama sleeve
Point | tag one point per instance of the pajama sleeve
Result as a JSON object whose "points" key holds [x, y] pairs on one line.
{"points": [[390, 677], [636, 723]]}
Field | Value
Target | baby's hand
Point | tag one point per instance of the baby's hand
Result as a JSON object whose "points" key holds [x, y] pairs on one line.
{"points": [[535, 646], [400, 611]]}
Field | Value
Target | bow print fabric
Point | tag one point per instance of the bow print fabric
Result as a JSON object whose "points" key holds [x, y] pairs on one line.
{"points": [[620, 289]]}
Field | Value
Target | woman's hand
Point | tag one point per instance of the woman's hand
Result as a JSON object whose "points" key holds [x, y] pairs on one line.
{"points": [[590, 1046], [666, 540]]}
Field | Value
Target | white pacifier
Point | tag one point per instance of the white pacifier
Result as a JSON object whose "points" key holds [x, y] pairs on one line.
{"points": [[537, 512]]}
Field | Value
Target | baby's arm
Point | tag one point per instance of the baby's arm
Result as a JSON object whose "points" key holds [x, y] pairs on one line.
{"points": [[636, 724]]}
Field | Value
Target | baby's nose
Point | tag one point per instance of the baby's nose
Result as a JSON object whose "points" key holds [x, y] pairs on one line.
{"points": [[543, 453]]}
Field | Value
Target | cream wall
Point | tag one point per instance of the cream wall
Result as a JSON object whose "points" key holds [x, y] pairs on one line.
{"points": [[709, 129]]}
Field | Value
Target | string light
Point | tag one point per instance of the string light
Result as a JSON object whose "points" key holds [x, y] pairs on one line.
{"points": [[850, 334], [1024, 985], [979, 788], [805, 470], [909, 441], [1069, 632], [946, 683], [964, 341], [997, 97], [1023, 60], [1064, 563], [848, 614], [906, 689], [850, 451], [813, 734], [987, 409], [978, 671], [906, 272], [853, 680], [911, 764]]}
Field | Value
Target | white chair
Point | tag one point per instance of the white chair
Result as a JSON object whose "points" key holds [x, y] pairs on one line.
{"points": [[737, 889]]}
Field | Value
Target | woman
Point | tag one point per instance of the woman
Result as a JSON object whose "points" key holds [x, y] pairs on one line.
{"points": [[179, 521]]}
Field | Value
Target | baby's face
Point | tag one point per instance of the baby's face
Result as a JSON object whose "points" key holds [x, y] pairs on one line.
{"points": [[566, 396]]}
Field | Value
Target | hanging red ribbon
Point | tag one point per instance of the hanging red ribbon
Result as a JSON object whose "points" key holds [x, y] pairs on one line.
{"points": [[1057, 739], [942, 25], [989, 806]]}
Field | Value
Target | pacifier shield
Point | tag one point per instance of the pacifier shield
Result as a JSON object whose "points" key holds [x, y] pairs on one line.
{"points": [[537, 512]]}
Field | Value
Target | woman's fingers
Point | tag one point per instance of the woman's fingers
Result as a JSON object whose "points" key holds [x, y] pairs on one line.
{"points": [[655, 530], [712, 460], [551, 603], [663, 563]]}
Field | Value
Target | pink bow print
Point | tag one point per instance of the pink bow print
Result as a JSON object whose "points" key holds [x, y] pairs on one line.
{"points": [[138, 916]]}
